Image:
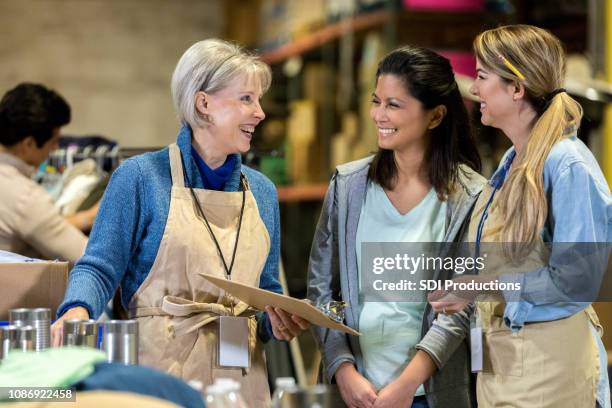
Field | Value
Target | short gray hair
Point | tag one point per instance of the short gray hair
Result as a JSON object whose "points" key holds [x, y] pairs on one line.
{"points": [[209, 66]]}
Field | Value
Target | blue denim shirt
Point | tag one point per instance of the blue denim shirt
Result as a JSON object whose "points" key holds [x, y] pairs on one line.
{"points": [[579, 210], [131, 220]]}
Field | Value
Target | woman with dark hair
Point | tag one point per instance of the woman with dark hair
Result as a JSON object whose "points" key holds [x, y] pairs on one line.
{"points": [[419, 187]]}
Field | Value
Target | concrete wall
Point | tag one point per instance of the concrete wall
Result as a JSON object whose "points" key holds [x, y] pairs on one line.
{"points": [[111, 59]]}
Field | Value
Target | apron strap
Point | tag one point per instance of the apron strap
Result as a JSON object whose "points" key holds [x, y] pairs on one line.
{"points": [[176, 166], [196, 314]]}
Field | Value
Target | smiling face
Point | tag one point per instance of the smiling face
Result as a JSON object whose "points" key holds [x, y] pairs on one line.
{"points": [[235, 111], [497, 105], [401, 119]]}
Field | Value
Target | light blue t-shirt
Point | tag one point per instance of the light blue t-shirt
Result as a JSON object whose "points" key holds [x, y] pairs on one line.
{"points": [[391, 330]]}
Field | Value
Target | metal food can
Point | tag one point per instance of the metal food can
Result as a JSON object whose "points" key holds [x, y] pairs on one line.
{"points": [[8, 340], [120, 341], [26, 336], [81, 333]]}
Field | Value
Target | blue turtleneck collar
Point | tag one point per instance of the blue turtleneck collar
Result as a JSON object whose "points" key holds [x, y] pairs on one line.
{"points": [[228, 176]]}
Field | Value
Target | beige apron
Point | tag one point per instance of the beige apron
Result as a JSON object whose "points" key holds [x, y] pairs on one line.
{"points": [[550, 364], [178, 310]]}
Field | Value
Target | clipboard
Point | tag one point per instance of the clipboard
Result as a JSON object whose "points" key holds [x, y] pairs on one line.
{"points": [[260, 298]]}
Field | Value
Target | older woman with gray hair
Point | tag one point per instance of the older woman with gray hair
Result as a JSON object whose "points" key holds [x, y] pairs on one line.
{"points": [[192, 208]]}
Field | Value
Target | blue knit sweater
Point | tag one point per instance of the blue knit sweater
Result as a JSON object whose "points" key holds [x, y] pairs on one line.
{"points": [[130, 223]]}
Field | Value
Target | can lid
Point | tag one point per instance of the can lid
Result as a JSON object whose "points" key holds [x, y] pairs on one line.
{"points": [[82, 327], [40, 313], [121, 326], [21, 314]]}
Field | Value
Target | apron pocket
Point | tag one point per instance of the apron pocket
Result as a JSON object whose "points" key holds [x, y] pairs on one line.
{"points": [[503, 353]]}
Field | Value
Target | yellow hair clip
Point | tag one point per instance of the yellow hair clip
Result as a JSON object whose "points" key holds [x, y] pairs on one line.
{"points": [[512, 67]]}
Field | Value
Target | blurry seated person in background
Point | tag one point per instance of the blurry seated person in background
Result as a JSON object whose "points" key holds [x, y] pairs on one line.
{"points": [[30, 224]]}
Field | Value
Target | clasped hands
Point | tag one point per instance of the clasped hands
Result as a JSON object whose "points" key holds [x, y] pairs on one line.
{"points": [[358, 392]]}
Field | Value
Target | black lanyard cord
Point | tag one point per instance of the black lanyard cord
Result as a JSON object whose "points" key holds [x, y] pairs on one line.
{"points": [[212, 234], [243, 184]]}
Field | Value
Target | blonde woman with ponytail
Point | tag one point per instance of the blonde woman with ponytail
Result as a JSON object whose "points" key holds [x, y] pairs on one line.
{"points": [[540, 349]]}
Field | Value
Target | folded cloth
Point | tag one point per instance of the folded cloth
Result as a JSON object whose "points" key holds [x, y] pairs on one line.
{"points": [[54, 367], [141, 380]]}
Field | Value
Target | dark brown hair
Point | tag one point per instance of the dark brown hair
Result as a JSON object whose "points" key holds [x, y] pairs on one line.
{"points": [[429, 78], [31, 110]]}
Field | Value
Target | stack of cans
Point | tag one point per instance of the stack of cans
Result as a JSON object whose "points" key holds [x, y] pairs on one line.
{"points": [[39, 320], [30, 330], [119, 338]]}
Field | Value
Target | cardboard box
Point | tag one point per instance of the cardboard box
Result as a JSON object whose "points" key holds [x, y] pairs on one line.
{"points": [[32, 284]]}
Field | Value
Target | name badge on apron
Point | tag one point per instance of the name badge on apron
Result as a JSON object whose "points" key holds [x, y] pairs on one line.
{"points": [[476, 349], [234, 342]]}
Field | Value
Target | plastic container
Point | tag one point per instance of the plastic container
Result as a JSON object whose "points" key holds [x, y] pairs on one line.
{"points": [[315, 396], [282, 384], [215, 397], [230, 391]]}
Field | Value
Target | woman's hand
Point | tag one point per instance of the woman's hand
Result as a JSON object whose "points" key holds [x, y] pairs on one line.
{"points": [[455, 301], [446, 302], [57, 328], [396, 395], [356, 390], [284, 326], [400, 392]]}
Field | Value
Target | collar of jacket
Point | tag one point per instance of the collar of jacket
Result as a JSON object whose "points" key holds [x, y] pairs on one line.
{"points": [[469, 181], [21, 166], [459, 203], [194, 178]]}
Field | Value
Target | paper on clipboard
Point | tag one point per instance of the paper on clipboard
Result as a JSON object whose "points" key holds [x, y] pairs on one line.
{"points": [[260, 298]]}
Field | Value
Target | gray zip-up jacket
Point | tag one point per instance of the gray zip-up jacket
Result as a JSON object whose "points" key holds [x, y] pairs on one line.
{"points": [[332, 275]]}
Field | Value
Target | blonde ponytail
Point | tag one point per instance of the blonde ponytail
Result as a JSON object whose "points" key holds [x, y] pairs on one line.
{"points": [[539, 57]]}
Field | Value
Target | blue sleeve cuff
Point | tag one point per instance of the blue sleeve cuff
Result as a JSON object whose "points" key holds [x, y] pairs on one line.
{"points": [[516, 314], [264, 327], [517, 308], [66, 306]]}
